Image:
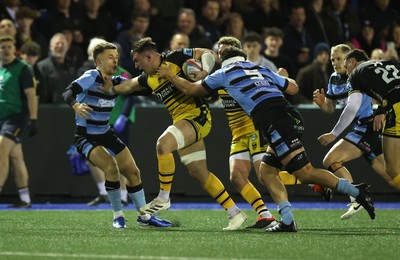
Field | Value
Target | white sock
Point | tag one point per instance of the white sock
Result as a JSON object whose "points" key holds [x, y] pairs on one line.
{"points": [[232, 211], [266, 214], [164, 195], [24, 195], [124, 195], [102, 188], [352, 199], [118, 214]]}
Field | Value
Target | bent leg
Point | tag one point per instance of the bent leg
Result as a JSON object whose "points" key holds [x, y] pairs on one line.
{"points": [[379, 166], [391, 147]]}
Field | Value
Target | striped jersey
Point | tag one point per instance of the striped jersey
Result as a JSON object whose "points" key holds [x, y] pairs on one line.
{"points": [[101, 103], [249, 84]]}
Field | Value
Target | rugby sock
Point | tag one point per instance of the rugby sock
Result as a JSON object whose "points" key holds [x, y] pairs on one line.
{"points": [[24, 194], [253, 197], [114, 194], [217, 191], [285, 210], [166, 170], [102, 188], [344, 186], [136, 194], [396, 181], [288, 179]]}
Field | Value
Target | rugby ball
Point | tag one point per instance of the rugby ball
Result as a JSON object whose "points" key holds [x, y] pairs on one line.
{"points": [[190, 66]]}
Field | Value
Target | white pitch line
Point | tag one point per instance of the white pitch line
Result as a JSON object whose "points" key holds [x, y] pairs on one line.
{"points": [[95, 256]]}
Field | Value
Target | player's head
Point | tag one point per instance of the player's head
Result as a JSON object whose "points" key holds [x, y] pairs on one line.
{"points": [[145, 55], [227, 41], [232, 51], [338, 53], [353, 59], [105, 55]]}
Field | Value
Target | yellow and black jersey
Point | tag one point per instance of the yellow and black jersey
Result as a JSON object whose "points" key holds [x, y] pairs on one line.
{"points": [[178, 104], [238, 121]]}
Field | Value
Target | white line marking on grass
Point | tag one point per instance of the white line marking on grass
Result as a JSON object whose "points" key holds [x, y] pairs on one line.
{"points": [[147, 257]]}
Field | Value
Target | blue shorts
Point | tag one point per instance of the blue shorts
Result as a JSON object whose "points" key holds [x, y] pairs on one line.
{"points": [[367, 140]]}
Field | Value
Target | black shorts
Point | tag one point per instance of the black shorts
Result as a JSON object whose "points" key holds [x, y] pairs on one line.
{"points": [[13, 126], [85, 142], [283, 128]]}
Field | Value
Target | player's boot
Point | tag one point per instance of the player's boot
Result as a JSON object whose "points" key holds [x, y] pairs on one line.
{"points": [[264, 222], [98, 200], [326, 193], [20, 205], [153, 221], [155, 206], [354, 208], [280, 227], [364, 198], [236, 221], [119, 222]]}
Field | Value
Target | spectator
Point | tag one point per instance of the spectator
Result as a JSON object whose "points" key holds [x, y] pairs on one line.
{"points": [[26, 32], [96, 23], [264, 14], [30, 53], [314, 21], [313, 76], [377, 54], [381, 15], [55, 72], [235, 26], [74, 55], [341, 22], [179, 40], [8, 9], [252, 46], [139, 25], [186, 23], [209, 19], [395, 33], [298, 42], [225, 9], [367, 40]]}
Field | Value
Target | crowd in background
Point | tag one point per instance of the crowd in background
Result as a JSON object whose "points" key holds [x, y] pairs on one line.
{"points": [[53, 36]]}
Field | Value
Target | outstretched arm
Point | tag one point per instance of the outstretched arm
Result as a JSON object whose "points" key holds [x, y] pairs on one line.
{"points": [[126, 87], [186, 87], [347, 116]]}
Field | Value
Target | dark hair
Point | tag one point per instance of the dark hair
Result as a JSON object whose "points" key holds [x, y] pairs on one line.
{"points": [[139, 14], [144, 44], [101, 47], [232, 51], [7, 38], [24, 12], [357, 54], [252, 37], [274, 32], [30, 49]]}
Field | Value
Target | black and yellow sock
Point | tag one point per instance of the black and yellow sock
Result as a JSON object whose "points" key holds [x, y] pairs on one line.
{"points": [[217, 191], [166, 170], [253, 197], [288, 179]]}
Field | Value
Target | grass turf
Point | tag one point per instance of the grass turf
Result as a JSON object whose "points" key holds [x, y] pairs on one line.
{"points": [[196, 234]]}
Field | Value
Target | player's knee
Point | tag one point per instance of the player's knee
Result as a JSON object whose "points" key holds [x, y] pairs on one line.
{"points": [[237, 177], [178, 136], [16, 156], [298, 162], [333, 167]]}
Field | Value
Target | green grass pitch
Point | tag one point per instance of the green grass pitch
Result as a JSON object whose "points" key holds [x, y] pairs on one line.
{"points": [[196, 234]]}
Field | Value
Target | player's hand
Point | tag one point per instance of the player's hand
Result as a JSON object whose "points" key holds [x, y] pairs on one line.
{"points": [[107, 85], [199, 75], [32, 127], [379, 121], [283, 72], [120, 123], [319, 96], [326, 139], [165, 72], [82, 110]]}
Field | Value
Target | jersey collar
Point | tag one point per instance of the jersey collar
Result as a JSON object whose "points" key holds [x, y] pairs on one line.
{"points": [[232, 60]]}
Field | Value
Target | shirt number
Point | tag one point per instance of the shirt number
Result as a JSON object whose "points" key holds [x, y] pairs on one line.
{"points": [[389, 73]]}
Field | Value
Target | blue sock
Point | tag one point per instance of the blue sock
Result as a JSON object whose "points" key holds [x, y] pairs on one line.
{"points": [[115, 199], [344, 186], [285, 209], [138, 199]]}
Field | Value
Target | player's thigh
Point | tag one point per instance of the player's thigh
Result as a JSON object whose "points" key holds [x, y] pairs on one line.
{"points": [[343, 151], [101, 158], [194, 158], [125, 162], [391, 148]]}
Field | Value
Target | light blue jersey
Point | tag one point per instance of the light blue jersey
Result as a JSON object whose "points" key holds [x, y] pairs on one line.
{"points": [[249, 84], [338, 90], [101, 103]]}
